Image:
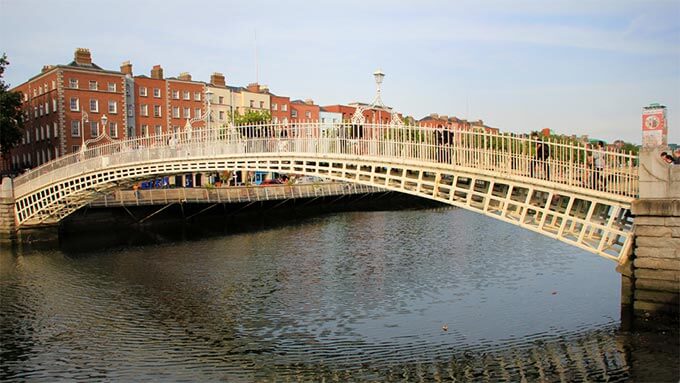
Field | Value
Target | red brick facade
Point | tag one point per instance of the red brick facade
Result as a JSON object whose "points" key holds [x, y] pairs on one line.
{"points": [[280, 109]]}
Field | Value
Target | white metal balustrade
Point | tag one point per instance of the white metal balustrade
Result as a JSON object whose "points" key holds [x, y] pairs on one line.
{"points": [[564, 196]]}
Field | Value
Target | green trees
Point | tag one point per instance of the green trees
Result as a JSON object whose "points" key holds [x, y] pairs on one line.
{"points": [[11, 123], [251, 117]]}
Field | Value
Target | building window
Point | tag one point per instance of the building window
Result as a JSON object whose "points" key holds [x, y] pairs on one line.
{"points": [[142, 91], [113, 129], [197, 96], [157, 130], [47, 131], [54, 84], [75, 104], [47, 107], [73, 83], [94, 106], [275, 106], [112, 87], [94, 85], [187, 113], [308, 114], [175, 112], [113, 107], [157, 92], [252, 103], [35, 92], [197, 112], [156, 110], [54, 104], [220, 100], [186, 95], [56, 130], [75, 128], [144, 110], [284, 107], [145, 130], [175, 94], [221, 115], [261, 104], [40, 89], [94, 128], [40, 110], [293, 113]]}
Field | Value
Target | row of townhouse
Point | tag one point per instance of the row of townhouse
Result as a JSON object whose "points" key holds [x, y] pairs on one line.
{"points": [[64, 106]]}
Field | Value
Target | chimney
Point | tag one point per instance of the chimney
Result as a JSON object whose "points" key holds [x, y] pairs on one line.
{"points": [[45, 68], [265, 88], [309, 101], [82, 56], [184, 76], [434, 115], [126, 68], [217, 79], [253, 87], [157, 72]]}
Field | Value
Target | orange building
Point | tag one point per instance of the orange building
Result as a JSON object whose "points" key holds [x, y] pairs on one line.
{"points": [[63, 107]]}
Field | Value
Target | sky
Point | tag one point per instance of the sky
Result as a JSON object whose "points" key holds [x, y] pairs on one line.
{"points": [[576, 67]]}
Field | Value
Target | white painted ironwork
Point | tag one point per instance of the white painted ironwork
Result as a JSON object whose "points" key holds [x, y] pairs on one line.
{"points": [[563, 196]]}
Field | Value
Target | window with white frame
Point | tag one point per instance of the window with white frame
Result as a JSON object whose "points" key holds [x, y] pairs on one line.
{"points": [[54, 104], [261, 104], [94, 128], [308, 114], [187, 113], [275, 106], [47, 131], [113, 129], [42, 132], [112, 87], [142, 91], [156, 110], [37, 134], [252, 103], [293, 113], [75, 128], [93, 85], [157, 130], [40, 110], [40, 89], [221, 115], [35, 92], [284, 107], [145, 130], [144, 110], [175, 112], [94, 106], [157, 92], [113, 106], [186, 95], [197, 112], [54, 84], [197, 96], [175, 94], [47, 107], [75, 104], [220, 99], [56, 130], [73, 83]]}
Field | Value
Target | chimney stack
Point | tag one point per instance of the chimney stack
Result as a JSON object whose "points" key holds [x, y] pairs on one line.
{"points": [[126, 68], [217, 79], [157, 72], [45, 68], [253, 87], [309, 101], [82, 56], [184, 76]]}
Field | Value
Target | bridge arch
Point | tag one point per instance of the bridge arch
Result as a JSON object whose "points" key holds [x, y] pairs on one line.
{"points": [[489, 174]]}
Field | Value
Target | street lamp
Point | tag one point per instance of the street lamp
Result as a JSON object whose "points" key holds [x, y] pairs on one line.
{"points": [[104, 120], [100, 135], [83, 120]]}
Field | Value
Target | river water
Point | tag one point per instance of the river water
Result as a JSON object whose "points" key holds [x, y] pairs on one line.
{"points": [[407, 295]]}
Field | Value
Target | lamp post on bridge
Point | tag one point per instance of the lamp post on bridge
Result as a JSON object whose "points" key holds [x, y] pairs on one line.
{"points": [[188, 128], [100, 135]]}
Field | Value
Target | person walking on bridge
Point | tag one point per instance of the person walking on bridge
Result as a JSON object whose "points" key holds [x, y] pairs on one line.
{"points": [[541, 159], [599, 181]]}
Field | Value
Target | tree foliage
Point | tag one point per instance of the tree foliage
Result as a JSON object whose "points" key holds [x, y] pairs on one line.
{"points": [[251, 117], [11, 123]]}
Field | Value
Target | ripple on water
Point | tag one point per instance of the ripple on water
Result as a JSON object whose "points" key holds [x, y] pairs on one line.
{"points": [[345, 297]]}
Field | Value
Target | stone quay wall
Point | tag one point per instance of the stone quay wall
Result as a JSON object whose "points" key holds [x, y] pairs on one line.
{"points": [[7, 216]]}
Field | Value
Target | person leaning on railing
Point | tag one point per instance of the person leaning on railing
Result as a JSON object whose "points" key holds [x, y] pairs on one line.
{"points": [[599, 164]]}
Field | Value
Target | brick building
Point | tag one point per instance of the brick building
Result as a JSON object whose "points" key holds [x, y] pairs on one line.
{"points": [[63, 106]]}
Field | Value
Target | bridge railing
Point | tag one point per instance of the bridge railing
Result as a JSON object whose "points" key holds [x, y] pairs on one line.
{"points": [[569, 163]]}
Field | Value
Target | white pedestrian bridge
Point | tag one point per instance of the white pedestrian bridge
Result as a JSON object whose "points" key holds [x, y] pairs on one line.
{"points": [[563, 196]]}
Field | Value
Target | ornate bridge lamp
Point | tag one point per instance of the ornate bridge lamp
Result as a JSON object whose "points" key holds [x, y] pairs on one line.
{"points": [[100, 134], [206, 116]]}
